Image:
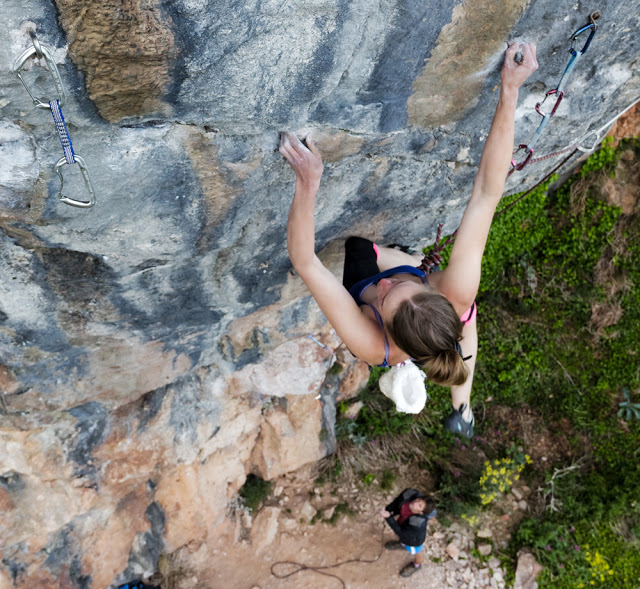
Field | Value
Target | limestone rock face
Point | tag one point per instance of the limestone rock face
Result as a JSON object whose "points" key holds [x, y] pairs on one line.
{"points": [[155, 349]]}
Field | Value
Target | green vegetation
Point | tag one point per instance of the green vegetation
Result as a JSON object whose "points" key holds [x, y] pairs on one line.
{"points": [[627, 408], [387, 480], [559, 353], [561, 315], [254, 492]]}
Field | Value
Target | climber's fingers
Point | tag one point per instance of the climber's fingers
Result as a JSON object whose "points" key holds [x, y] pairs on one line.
{"points": [[286, 149], [511, 51], [312, 146], [306, 164], [514, 73], [299, 146], [529, 55]]}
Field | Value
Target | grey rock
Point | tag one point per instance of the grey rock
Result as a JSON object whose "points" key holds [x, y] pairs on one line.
{"points": [[20, 170], [517, 493], [130, 319], [527, 571], [307, 511]]}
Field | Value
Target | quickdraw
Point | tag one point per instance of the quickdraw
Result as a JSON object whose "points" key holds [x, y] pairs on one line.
{"points": [[558, 91], [41, 52]]}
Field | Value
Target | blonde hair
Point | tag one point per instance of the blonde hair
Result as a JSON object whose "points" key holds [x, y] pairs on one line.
{"points": [[427, 328]]}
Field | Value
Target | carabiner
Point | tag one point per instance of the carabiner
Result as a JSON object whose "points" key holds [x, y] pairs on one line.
{"points": [[555, 106], [36, 44], [38, 51], [593, 17], [597, 140], [87, 182], [524, 162]]}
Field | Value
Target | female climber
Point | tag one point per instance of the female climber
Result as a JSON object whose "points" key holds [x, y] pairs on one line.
{"points": [[386, 311]]}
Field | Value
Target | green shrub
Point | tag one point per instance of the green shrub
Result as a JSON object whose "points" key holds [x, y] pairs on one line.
{"points": [[388, 480], [254, 492]]}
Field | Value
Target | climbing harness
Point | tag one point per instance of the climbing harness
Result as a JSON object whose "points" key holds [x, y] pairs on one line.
{"points": [[558, 91], [321, 570], [40, 52]]}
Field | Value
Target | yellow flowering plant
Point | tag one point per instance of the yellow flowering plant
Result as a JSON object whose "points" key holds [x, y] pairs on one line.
{"points": [[498, 476]]}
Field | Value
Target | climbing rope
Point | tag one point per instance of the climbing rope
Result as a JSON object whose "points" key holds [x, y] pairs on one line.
{"points": [[432, 259], [558, 91], [599, 135], [321, 570], [40, 52]]}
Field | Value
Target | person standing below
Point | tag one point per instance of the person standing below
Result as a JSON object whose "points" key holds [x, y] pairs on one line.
{"points": [[394, 312], [408, 516]]}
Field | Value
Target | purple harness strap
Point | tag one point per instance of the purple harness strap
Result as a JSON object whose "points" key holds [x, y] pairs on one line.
{"points": [[384, 333], [359, 287]]}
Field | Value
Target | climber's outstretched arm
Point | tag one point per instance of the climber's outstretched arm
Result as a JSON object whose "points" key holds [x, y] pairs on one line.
{"points": [[364, 339], [460, 280]]}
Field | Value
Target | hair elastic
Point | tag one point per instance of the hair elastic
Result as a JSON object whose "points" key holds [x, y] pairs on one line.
{"points": [[458, 349]]}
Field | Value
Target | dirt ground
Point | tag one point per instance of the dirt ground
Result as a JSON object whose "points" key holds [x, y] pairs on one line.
{"points": [[242, 549], [318, 545]]}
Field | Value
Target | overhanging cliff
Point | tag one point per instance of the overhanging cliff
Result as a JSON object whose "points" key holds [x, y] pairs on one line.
{"points": [[154, 348]]}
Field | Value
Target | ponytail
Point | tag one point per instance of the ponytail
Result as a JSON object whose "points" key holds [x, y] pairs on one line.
{"points": [[427, 328], [446, 368]]}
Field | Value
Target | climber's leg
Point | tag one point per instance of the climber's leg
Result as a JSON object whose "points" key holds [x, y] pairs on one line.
{"points": [[390, 258], [461, 419]]}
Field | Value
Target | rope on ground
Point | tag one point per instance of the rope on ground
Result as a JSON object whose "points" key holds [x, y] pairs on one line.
{"points": [[321, 570]]}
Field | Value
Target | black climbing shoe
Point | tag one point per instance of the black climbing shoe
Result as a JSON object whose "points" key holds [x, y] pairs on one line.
{"points": [[457, 425], [393, 545], [409, 570]]}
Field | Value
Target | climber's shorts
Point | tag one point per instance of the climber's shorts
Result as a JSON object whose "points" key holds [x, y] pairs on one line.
{"points": [[360, 260], [413, 549]]}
